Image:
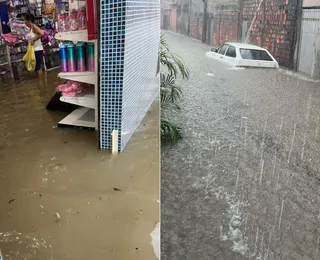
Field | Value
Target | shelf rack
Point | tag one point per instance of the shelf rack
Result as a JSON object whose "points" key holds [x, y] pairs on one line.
{"points": [[87, 115], [6, 64]]}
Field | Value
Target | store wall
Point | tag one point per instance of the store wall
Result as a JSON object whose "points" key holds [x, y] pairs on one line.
{"points": [[140, 82], [130, 36]]}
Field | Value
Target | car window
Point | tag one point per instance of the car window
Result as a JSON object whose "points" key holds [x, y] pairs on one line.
{"points": [[231, 52], [222, 49], [248, 54]]}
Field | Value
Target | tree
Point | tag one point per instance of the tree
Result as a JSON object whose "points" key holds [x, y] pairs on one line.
{"points": [[173, 68]]}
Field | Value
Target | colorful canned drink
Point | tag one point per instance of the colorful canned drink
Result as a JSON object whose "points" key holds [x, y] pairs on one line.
{"points": [[81, 62], [63, 58], [91, 56], [71, 57]]}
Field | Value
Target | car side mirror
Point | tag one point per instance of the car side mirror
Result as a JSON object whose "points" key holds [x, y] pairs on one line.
{"points": [[214, 50]]}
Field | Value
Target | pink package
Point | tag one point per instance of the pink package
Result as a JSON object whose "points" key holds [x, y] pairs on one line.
{"points": [[82, 19], [71, 88], [72, 93], [9, 38], [73, 24]]}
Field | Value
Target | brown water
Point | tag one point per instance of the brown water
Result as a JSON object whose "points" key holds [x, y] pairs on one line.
{"points": [[107, 205]]}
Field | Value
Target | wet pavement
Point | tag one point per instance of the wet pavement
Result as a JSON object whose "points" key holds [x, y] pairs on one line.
{"points": [[245, 181], [62, 198]]}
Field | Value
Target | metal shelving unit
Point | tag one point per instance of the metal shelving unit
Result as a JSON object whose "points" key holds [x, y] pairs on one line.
{"points": [[5, 59], [87, 116]]}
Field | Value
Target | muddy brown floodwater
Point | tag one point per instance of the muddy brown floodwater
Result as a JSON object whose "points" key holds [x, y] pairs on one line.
{"points": [[62, 198]]}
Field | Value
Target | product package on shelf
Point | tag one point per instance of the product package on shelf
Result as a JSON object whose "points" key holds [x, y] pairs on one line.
{"points": [[73, 21], [72, 88], [79, 57]]}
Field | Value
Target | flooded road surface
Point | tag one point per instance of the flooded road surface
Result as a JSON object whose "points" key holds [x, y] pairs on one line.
{"points": [[245, 181], [62, 198]]}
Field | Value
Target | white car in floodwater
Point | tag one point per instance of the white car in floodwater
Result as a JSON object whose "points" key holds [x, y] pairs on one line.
{"points": [[243, 55]]}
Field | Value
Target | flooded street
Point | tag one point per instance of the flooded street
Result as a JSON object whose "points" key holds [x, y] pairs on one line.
{"points": [[244, 183], [62, 198]]}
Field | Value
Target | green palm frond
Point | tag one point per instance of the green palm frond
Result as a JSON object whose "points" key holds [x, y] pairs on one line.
{"points": [[170, 132], [172, 61], [170, 93]]}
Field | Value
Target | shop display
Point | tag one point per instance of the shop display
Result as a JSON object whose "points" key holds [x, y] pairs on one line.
{"points": [[5, 62], [79, 57], [76, 20]]}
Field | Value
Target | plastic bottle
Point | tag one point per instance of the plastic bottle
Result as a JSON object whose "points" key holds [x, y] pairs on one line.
{"points": [[82, 19], [73, 24], [71, 58], [63, 23], [91, 56], [81, 57], [63, 58]]}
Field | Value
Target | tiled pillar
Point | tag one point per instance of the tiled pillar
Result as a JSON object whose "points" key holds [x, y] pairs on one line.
{"points": [[130, 36]]}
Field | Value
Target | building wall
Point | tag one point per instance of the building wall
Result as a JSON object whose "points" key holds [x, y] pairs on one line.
{"points": [[311, 3], [129, 43], [273, 28], [140, 80], [272, 24]]}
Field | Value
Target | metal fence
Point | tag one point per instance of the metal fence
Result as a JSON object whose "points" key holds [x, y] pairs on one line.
{"points": [[309, 38]]}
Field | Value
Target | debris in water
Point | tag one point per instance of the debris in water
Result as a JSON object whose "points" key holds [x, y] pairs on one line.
{"points": [[116, 189], [141, 211], [57, 216], [10, 201]]}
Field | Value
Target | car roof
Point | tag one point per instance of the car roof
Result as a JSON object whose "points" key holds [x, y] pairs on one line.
{"points": [[244, 45]]}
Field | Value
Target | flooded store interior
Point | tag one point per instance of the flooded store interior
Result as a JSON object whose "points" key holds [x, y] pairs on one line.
{"points": [[63, 198]]}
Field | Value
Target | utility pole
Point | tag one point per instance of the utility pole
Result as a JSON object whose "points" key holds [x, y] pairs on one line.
{"points": [[263, 23], [240, 6], [189, 17], [295, 49], [205, 18]]}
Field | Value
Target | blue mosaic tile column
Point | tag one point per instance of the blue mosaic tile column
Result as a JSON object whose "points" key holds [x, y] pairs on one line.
{"points": [[130, 36]]}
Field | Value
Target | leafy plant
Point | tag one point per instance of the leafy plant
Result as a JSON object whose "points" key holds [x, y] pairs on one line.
{"points": [[173, 68]]}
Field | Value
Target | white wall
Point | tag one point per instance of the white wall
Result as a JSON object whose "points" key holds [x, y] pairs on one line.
{"points": [[311, 3]]}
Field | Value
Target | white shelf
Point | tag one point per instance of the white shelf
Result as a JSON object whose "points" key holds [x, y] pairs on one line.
{"points": [[74, 36], [86, 100], [85, 77], [83, 117]]}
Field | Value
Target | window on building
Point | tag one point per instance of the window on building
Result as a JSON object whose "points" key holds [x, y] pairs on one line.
{"points": [[231, 52], [248, 54]]}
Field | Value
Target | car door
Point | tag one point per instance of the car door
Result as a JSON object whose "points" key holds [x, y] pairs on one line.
{"points": [[230, 56], [221, 51]]}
